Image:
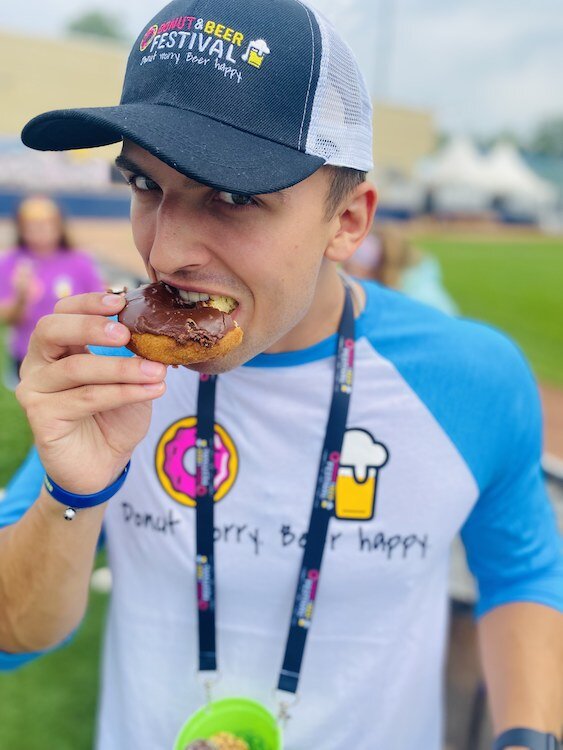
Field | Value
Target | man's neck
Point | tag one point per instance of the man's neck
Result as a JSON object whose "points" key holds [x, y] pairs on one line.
{"points": [[324, 315]]}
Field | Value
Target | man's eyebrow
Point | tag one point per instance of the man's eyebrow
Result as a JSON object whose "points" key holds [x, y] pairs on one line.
{"points": [[124, 162]]}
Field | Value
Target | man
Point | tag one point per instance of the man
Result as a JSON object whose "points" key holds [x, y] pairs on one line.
{"points": [[246, 132]]}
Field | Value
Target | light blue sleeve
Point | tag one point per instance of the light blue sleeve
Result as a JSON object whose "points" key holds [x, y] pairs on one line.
{"points": [[479, 388], [22, 490], [511, 539], [21, 493]]}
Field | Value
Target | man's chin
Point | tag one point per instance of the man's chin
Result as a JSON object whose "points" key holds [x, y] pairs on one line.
{"points": [[219, 365], [235, 358]]}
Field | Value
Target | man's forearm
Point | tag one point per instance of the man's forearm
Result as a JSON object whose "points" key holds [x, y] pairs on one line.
{"points": [[45, 567], [522, 653]]}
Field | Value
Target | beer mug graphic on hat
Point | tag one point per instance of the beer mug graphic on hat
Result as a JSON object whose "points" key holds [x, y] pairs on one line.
{"points": [[256, 53], [360, 461]]}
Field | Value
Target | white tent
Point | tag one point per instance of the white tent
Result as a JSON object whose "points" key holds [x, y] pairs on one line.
{"points": [[461, 179], [457, 163], [457, 178], [513, 181]]}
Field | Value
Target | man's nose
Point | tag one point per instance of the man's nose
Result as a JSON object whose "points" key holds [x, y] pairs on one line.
{"points": [[180, 242]]}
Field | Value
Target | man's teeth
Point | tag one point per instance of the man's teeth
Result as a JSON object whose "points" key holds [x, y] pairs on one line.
{"points": [[192, 296]]}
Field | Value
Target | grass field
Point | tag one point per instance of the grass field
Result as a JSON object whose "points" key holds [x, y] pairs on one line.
{"points": [[515, 284], [51, 703], [15, 435]]}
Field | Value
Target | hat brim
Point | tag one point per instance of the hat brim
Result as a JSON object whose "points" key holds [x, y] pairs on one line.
{"points": [[208, 151]]}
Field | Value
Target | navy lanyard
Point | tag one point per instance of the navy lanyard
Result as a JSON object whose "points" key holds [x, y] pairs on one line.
{"points": [[321, 513]]}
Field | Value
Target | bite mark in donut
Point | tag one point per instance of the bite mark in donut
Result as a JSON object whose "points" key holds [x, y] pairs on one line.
{"points": [[176, 327]]}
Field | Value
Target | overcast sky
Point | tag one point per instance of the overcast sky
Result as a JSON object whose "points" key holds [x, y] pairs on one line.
{"points": [[480, 66]]}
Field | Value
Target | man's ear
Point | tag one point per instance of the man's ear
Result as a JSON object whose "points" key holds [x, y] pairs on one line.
{"points": [[353, 221]]}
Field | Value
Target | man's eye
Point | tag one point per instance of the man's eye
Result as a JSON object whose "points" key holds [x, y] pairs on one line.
{"points": [[141, 183], [236, 199]]}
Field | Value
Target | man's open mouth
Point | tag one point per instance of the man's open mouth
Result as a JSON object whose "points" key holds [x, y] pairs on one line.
{"points": [[218, 302]]}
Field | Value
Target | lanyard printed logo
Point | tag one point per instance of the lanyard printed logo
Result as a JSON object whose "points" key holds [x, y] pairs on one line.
{"points": [[307, 594], [204, 585]]}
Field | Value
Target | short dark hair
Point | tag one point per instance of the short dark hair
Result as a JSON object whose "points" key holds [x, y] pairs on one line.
{"points": [[343, 181]]}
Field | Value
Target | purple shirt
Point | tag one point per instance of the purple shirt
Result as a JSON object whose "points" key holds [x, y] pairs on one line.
{"points": [[54, 276]]}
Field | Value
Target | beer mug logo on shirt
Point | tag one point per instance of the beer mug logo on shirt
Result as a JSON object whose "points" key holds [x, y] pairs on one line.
{"points": [[256, 53], [361, 459]]}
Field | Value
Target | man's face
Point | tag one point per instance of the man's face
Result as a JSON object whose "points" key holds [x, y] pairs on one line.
{"points": [[266, 252]]}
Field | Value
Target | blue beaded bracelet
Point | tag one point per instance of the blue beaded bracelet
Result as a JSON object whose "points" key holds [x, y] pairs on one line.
{"points": [[527, 738], [79, 502]]}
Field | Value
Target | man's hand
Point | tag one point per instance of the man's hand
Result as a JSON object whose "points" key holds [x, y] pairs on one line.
{"points": [[87, 412]]}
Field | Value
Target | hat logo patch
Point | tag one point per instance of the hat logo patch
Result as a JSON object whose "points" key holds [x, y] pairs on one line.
{"points": [[256, 53], [205, 43]]}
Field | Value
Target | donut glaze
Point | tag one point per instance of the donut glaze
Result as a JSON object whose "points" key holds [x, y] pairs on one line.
{"points": [[165, 328], [158, 309]]}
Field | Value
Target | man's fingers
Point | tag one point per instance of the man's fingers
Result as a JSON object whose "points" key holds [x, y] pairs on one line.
{"points": [[83, 369], [56, 335], [97, 303], [88, 400]]}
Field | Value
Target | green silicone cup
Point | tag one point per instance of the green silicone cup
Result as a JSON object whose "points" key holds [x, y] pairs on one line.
{"points": [[242, 717]]}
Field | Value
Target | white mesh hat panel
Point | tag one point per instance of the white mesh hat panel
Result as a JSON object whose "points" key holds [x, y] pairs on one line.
{"points": [[341, 122]]}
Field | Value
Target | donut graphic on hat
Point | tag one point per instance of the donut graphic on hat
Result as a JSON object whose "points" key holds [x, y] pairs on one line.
{"points": [[256, 53], [148, 37], [175, 461]]}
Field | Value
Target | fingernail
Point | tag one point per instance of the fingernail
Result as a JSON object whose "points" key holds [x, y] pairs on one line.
{"points": [[152, 369], [113, 300], [154, 387], [114, 331]]}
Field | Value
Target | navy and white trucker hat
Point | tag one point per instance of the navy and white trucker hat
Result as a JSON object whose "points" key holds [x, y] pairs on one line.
{"points": [[247, 96]]}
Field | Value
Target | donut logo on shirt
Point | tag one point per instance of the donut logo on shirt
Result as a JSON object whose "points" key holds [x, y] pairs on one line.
{"points": [[176, 461]]}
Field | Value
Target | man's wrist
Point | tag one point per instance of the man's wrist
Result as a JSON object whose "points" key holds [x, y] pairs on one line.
{"points": [[531, 739], [74, 502]]}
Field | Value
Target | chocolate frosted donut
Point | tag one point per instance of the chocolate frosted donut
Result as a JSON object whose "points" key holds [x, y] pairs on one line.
{"points": [[167, 328]]}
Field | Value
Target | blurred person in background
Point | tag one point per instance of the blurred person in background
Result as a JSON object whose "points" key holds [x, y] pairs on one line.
{"points": [[39, 270], [387, 256]]}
